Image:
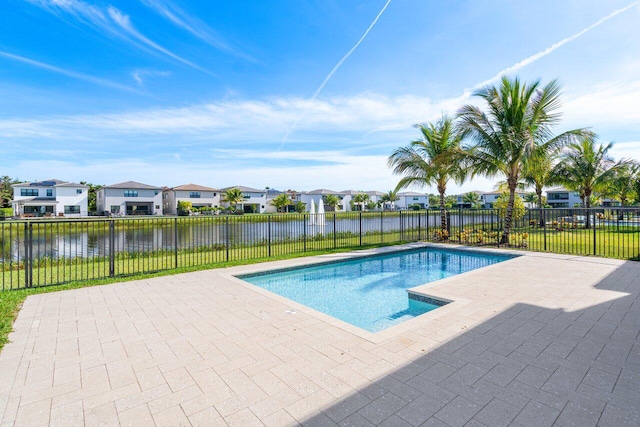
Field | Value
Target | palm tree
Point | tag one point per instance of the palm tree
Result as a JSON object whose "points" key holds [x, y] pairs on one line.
{"points": [[390, 198], [233, 196], [332, 201], [622, 185], [360, 200], [472, 199], [281, 201], [435, 158], [532, 199], [516, 125], [587, 167]]}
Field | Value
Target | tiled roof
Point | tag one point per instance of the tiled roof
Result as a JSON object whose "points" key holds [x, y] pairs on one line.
{"points": [[134, 185], [192, 187], [245, 189]]}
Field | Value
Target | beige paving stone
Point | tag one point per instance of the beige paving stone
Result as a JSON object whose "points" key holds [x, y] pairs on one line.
{"points": [[203, 348]]}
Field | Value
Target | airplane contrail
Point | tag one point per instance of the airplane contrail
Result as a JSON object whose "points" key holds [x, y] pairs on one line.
{"points": [[554, 46], [333, 71], [69, 73]]}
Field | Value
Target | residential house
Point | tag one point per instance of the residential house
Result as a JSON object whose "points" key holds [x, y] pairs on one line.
{"points": [[129, 198], [255, 201], [51, 197], [562, 198], [490, 197], [199, 196], [460, 203], [408, 199]]}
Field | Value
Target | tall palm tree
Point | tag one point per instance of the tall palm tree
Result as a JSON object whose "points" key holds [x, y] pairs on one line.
{"points": [[435, 158], [233, 196], [587, 167], [281, 201], [517, 124]]}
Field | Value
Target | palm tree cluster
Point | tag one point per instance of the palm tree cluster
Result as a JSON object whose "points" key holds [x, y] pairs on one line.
{"points": [[512, 137]]}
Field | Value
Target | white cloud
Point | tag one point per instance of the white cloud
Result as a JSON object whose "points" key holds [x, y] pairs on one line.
{"points": [[193, 25], [109, 20], [140, 75]]}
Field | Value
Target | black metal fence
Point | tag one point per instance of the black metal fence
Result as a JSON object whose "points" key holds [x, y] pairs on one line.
{"points": [[46, 252]]}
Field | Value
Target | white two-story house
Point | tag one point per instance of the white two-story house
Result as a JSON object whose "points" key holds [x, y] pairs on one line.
{"points": [[199, 196], [411, 198], [129, 198], [255, 201], [562, 198], [318, 195], [49, 198]]}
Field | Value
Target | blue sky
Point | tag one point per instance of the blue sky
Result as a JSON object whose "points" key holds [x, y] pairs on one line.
{"points": [[222, 93]]}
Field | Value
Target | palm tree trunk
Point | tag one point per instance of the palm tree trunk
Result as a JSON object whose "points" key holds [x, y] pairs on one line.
{"points": [[539, 194], [443, 215], [512, 182], [587, 202]]}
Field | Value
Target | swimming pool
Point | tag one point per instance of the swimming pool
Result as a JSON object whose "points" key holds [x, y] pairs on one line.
{"points": [[371, 292]]}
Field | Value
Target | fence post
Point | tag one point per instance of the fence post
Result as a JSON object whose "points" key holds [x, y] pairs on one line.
{"points": [[401, 230], [360, 212], [269, 234], [175, 241], [335, 232], [27, 247], [304, 232], [226, 232], [594, 231], [112, 249], [419, 238], [543, 212], [381, 226]]}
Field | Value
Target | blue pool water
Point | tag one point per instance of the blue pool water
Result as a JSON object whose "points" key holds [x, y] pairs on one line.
{"points": [[371, 292]]}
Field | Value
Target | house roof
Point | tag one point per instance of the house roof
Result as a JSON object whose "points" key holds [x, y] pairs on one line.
{"points": [[322, 191], [36, 201], [375, 193], [192, 187], [558, 190], [411, 193], [245, 189], [49, 183], [351, 192], [134, 185]]}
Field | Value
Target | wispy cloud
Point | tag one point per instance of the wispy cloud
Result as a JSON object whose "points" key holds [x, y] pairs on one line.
{"points": [[140, 75], [109, 20], [533, 58], [69, 73], [193, 25], [335, 68]]}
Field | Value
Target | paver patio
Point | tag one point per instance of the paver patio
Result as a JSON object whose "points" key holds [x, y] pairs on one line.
{"points": [[537, 340]]}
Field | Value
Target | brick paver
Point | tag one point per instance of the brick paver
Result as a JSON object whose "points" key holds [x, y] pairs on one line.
{"points": [[537, 340]]}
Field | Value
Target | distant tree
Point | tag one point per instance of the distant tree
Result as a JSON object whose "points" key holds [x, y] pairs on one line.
{"points": [[332, 201], [531, 199], [281, 201], [389, 199], [472, 199], [233, 196], [6, 192], [300, 206], [184, 207], [360, 200], [450, 202], [623, 183], [501, 204], [92, 195]]}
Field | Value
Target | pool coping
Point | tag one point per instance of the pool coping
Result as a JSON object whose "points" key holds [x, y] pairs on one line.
{"points": [[453, 302]]}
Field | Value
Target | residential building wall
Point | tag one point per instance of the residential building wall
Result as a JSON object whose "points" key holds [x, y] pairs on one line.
{"points": [[563, 198], [60, 200], [114, 200], [170, 199]]}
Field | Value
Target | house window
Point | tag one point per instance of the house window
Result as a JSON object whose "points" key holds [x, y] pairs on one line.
{"points": [[79, 191], [246, 196], [157, 206], [29, 192], [156, 193], [115, 209], [415, 198], [49, 193], [130, 193], [72, 209], [194, 195], [215, 194]]}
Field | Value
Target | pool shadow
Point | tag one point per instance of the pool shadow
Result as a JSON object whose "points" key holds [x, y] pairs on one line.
{"points": [[527, 365]]}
